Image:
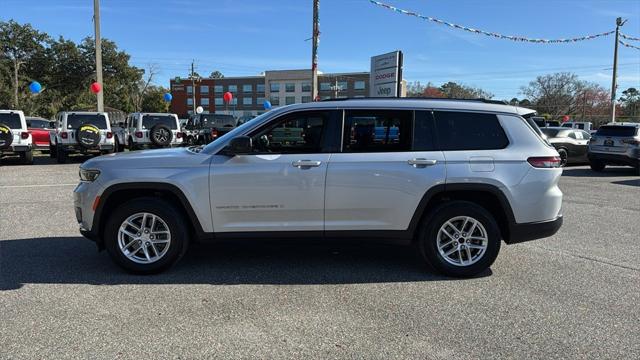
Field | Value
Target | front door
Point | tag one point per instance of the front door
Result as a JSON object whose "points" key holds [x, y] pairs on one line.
{"points": [[281, 185]]}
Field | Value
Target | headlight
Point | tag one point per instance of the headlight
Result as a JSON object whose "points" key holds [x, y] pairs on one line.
{"points": [[89, 175]]}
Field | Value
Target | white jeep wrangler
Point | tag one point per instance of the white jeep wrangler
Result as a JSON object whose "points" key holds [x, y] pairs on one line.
{"points": [[81, 132], [148, 130], [15, 139]]}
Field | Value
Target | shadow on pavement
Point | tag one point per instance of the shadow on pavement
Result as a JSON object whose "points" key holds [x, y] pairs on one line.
{"points": [[635, 182], [607, 172], [75, 260], [43, 159]]}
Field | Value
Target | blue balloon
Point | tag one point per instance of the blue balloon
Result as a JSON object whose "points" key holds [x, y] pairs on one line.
{"points": [[167, 97], [35, 87], [266, 104]]}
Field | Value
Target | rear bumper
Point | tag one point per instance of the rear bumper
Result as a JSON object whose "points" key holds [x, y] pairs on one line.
{"points": [[15, 149], [616, 159], [532, 231], [78, 148]]}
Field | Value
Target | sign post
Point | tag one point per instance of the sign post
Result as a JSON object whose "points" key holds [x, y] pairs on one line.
{"points": [[386, 75]]}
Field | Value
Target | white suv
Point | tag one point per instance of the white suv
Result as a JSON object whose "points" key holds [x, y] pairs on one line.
{"points": [[15, 138], [148, 130], [80, 132], [452, 177]]}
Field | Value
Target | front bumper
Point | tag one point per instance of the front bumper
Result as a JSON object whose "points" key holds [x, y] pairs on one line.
{"points": [[531, 231], [629, 159]]}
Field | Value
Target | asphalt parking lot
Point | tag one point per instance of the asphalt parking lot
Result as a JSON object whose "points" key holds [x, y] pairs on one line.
{"points": [[574, 295]]}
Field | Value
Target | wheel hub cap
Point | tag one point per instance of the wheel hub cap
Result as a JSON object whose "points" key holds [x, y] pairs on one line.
{"points": [[144, 238], [462, 241]]}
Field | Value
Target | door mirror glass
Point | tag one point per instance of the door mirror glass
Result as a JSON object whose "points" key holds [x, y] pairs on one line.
{"points": [[240, 145]]}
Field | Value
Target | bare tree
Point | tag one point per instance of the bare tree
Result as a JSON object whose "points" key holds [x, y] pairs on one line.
{"points": [[556, 94], [143, 86]]}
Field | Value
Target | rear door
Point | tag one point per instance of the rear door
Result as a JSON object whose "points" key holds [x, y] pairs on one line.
{"points": [[385, 167]]}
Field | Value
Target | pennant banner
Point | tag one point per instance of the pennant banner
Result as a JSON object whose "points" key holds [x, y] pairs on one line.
{"points": [[629, 37], [628, 45], [487, 33]]}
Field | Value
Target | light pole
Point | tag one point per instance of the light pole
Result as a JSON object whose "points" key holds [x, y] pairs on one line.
{"points": [[314, 51], [619, 22], [96, 22]]}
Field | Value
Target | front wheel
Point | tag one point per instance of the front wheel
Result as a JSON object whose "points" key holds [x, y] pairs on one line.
{"points": [[597, 165], [460, 239], [146, 235]]}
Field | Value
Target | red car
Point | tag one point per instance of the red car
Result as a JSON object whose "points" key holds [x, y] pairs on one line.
{"points": [[39, 129]]}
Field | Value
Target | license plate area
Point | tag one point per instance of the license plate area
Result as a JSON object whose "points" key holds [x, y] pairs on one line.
{"points": [[608, 143]]}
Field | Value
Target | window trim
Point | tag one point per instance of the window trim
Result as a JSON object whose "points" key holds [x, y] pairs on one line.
{"points": [[496, 114]]}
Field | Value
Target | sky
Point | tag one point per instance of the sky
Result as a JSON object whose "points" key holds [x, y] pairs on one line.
{"points": [[246, 37]]}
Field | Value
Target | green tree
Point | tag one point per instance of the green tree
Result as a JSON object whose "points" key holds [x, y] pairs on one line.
{"points": [[630, 102], [454, 90], [153, 100], [216, 75]]}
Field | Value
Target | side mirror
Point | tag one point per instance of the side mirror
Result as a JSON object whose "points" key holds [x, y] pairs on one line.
{"points": [[240, 145]]}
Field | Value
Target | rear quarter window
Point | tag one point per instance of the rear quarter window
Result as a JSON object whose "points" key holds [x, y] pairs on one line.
{"points": [[469, 131]]}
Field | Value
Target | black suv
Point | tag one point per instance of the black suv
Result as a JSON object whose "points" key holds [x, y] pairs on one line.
{"points": [[202, 129]]}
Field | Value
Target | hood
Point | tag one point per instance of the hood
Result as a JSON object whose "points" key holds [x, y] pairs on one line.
{"points": [[158, 158]]}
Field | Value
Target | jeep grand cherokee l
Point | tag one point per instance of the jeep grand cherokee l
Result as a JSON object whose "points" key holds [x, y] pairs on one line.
{"points": [[458, 177]]}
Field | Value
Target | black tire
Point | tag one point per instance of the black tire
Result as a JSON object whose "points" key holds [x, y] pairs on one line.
{"points": [[116, 144], [597, 165], [88, 136], [564, 155], [61, 155], [175, 221], [27, 157], [53, 151], [6, 136], [428, 238], [132, 145], [161, 135]]}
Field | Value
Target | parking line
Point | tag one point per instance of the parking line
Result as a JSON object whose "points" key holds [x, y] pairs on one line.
{"points": [[29, 186]]}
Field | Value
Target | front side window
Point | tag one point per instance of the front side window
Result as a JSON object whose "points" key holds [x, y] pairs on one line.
{"points": [[76, 120], [300, 133], [377, 131], [469, 131]]}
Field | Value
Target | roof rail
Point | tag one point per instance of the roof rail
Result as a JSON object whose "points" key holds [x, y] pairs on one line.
{"points": [[487, 101]]}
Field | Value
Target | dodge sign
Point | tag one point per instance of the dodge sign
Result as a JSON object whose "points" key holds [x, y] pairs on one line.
{"points": [[386, 75]]}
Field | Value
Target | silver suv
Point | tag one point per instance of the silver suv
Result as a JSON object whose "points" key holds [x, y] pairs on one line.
{"points": [[452, 177], [615, 144], [80, 132]]}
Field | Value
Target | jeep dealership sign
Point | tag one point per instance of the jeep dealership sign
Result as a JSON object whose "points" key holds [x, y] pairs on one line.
{"points": [[386, 75]]}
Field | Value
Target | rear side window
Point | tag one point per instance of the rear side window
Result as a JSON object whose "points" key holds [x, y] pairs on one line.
{"points": [[76, 120], [12, 120], [149, 121], [617, 130], [377, 130], [423, 132], [469, 131], [38, 124]]}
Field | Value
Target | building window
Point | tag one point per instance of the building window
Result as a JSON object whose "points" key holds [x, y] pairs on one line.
{"points": [[219, 101], [306, 99], [325, 86], [275, 100], [218, 89], [306, 87], [275, 87], [358, 85], [247, 101], [290, 100], [204, 101], [325, 98], [290, 87], [247, 88], [190, 101], [260, 88], [189, 89], [204, 89], [359, 96], [233, 88], [342, 85]]}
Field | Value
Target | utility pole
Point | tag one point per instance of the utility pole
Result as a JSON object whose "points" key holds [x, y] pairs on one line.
{"points": [[314, 51], [619, 22], [192, 76], [96, 22]]}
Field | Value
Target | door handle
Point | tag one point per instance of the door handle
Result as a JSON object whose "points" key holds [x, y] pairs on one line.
{"points": [[306, 163], [421, 162]]}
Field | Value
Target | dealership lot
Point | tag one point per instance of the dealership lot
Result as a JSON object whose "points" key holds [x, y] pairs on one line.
{"points": [[572, 295]]}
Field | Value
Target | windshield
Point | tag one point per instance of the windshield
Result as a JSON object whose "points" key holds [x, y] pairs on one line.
{"points": [[233, 133], [217, 120], [12, 120], [616, 130], [149, 121], [76, 120], [37, 124]]}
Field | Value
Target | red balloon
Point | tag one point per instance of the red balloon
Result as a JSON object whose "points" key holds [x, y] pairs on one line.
{"points": [[96, 87], [228, 96], [565, 118]]}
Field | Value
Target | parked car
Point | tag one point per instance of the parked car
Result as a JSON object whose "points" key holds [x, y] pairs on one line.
{"points": [[615, 144], [15, 138], [462, 176], [81, 132], [148, 130], [542, 122], [40, 130], [202, 129], [582, 125], [571, 144]]}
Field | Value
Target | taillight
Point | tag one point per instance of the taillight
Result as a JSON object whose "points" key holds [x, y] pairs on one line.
{"points": [[64, 135], [24, 135], [109, 134], [139, 134], [544, 162], [626, 141], [214, 133], [178, 135]]}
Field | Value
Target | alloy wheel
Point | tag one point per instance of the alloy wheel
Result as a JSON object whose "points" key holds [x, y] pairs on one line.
{"points": [[144, 238], [462, 241]]}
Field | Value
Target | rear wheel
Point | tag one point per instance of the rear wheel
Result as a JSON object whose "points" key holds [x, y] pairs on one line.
{"points": [[460, 239], [27, 157], [597, 165], [61, 155], [146, 235], [563, 157], [52, 151]]}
